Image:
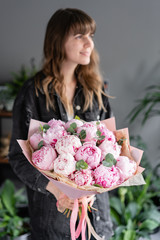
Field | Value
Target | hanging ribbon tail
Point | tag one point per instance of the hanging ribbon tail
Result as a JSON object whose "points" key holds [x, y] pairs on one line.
{"points": [[73, 219], [81, 222], [90, 227]]}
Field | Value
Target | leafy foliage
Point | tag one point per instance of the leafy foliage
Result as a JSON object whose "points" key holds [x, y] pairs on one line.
{"points": [[133, 212], [11, 223], [148, 106], [19, 79], [81, 164]]}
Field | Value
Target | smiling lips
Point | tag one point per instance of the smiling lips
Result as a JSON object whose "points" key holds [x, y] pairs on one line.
{"points": [[87, 54]]}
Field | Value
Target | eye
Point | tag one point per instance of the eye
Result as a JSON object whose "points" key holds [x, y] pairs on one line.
{"points": [[78, 36], [91, 35]]}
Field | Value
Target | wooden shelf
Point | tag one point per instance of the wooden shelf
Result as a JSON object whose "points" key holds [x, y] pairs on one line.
{"points": [[3, 160], [5, 114]]}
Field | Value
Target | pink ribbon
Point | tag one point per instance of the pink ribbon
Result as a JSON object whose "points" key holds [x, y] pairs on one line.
{"points": [[84, 219]]}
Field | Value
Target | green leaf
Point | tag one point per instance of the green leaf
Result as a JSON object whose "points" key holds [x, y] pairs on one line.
{"points": [[78, 118], [120, 141], [40, 144], [7, 196], [40, 128], [120, 229], [45, 128], [132, 208], [101, 137], [115, 203], [130, 235], [81, 164], [98, 133], [116, 218], [98, 123], [73, 125], [149, 224], [71, 130], [109, 160], [152, 214], [97, 185], [82, 134]]}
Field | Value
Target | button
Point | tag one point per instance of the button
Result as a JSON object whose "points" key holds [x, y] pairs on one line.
{"points": [[98, 117], [39, 190], [97, 218], [78, 107]]}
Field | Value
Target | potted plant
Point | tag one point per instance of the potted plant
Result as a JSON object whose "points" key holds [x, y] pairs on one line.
{"points": [[11, 89], [12, 224]]}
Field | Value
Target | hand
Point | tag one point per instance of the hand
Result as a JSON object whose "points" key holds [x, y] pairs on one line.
{"points": [[90, 200], [63, 201]]}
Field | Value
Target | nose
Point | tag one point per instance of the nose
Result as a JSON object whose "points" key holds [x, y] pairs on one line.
{"points": [[88, 42]]}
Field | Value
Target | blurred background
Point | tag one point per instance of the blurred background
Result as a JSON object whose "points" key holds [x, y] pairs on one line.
{"points": [[128, 42], [127, 39]]}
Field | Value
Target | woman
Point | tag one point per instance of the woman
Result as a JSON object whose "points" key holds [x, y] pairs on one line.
{"points": [[69, 84]]}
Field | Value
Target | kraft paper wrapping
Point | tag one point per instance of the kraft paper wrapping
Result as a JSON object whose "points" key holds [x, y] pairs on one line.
{"points": [[67, 186]]}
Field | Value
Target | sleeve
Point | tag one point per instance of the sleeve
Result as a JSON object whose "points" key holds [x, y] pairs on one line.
{"points": [[24, 109], [105, 114]]}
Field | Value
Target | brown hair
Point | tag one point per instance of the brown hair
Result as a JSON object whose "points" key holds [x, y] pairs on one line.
{"points": [[59, 26]]}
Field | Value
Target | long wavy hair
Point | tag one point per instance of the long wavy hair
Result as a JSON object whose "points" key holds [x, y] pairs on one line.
{"points": [[58, 29]]}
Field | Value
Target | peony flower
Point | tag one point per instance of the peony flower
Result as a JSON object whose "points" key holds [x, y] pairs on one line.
{"points": [[53, 123], [44, 158], [107, 176], [53, 134], [82, 177], [109, 135], [90, 132], [90, 154], [65, 164], [68, 144], [35, 139], [109, 147], [79, 123], [127, 167]]}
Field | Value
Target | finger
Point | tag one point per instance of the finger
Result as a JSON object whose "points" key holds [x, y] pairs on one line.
{"points": [[61, 209]]}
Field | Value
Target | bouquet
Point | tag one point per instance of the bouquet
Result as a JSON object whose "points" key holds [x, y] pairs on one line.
{"points": [[83, 158]]}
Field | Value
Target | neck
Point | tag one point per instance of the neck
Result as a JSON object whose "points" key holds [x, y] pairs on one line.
{"points": [[68, 72]]}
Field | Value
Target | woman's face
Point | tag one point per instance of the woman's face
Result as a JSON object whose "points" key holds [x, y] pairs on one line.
{"points": [[78, 48]]}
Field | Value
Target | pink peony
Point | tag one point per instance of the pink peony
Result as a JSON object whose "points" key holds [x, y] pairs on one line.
{"points": [[83, 177], [53, 123], [68, 144], [90, 154], [127, 167], [90, 130], [65, 164], [53, 134], [110, 147], [78, 122], [34, 140], [107, 176], [109, 135], [44, 158]]}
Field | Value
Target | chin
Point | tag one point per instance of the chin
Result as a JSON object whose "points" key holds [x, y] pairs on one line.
{"points": [[85, 62]]}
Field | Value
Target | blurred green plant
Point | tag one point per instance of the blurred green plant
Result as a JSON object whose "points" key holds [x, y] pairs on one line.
{"points": [[11, 223], [19, 78], [135, 210], [148, 106], [134, 213]]}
